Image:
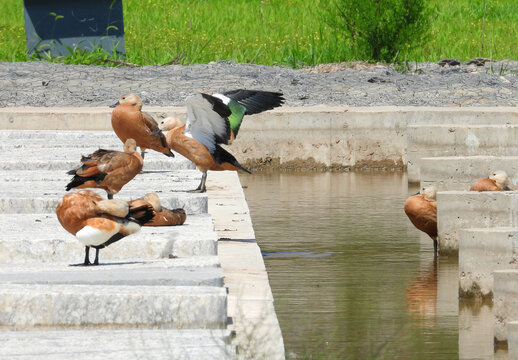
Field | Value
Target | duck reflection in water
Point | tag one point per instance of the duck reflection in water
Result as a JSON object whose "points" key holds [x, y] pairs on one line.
{"points": [[421, 294]]}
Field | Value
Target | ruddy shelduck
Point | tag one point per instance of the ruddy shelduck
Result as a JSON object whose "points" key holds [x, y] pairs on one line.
{"points": [[213, 120], [497, 181], [162, 215], [97, 223], [107, 169], [421, 209], [129, 122]]}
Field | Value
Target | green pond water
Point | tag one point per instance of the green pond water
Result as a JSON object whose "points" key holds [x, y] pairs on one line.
{"points": [[352, 278]]}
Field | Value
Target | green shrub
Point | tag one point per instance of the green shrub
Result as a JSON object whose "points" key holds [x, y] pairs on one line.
{"points": [[379, 29]]}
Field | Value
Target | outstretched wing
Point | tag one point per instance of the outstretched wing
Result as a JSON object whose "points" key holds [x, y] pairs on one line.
{"points": [[248, 102], [207, 120]]}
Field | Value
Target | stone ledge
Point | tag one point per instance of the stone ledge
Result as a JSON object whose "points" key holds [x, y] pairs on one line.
{"points": [[505, 301], [84, 305], [94, 344], [460, 172], [471, 209], [482, 251], [39, 238]]}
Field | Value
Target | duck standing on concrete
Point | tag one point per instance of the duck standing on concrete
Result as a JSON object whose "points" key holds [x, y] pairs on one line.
{"points": [[213, 120], [98, 223], [162, 216], [497, 181], [421, 209], [128, 121], [107, 169]]}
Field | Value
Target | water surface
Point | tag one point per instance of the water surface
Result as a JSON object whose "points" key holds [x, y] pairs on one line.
{"points": [[351, 277]]}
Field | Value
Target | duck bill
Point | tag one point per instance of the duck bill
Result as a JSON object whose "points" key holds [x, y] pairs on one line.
{"points": [[156, 132], [114, 105]]}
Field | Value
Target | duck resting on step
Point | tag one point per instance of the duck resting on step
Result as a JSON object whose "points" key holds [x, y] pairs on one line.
{"points": [[213, 120], [162, 216]]}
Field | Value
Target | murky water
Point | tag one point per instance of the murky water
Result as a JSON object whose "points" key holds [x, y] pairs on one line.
{"points": [[352, 278]]}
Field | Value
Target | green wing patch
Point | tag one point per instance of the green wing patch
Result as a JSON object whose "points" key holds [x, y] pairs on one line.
{"points": [[236, 117]]}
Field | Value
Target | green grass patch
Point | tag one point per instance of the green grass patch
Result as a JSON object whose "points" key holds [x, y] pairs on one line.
{"points": [[285, 32]]}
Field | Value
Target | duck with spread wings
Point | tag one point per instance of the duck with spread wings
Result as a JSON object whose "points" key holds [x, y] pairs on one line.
{"points": [[213, 120]]}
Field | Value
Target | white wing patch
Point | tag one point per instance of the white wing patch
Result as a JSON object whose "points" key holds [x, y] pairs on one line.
{"points": [[90, 236], [223, 98], [203, 122]]}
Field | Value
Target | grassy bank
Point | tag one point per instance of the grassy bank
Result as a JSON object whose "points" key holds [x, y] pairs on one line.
{"points": [[287, 32]]}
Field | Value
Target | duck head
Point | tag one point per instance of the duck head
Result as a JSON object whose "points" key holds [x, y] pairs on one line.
{"points": [[169, 123], [154, 200], [429, 193], [130, 146], [129, 99], [500, 178]]}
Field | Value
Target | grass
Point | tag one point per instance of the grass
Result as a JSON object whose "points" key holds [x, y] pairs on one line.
{"points": [[285, 32]]}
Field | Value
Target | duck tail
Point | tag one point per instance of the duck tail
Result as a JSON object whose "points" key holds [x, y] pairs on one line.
{"points": [[222, 156], [75, 182]]}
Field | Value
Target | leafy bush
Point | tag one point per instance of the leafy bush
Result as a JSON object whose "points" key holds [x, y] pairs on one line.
{"points": [[380, 29]]}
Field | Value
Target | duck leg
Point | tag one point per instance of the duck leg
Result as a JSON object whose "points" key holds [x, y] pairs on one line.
{"points": [[435, 247], [201, 188], [96, 261]]}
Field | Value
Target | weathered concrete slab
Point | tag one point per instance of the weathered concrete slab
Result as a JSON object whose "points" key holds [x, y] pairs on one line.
{"points": [[42, 198], [476, 335], [29, 238], [505, 301], [470, 209], [512, 339], [460, 172], [344, 136], [442, 140], [251, 304], [482, 251], [137, 272], [55, 150], [135, 305], [96, 344]]}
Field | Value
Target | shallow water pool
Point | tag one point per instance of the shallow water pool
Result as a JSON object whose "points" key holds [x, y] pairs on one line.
{"points": [[352, 278]]}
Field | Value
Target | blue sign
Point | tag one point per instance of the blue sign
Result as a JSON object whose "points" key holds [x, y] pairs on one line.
{"points": [[53, 25]]}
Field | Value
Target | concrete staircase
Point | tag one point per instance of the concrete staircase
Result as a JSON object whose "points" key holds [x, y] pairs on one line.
{"points": [[157, 294], [481, 227]]}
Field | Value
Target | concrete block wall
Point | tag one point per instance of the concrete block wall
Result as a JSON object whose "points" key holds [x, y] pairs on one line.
{"points": [[460, 172], [334, 136], [458, 210], [505, 301], [446, 140], [481, 252]]}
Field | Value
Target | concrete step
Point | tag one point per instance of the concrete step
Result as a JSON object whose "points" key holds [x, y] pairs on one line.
{"points": [[505, 301], [460, 172], [37, 192], [69, 158], [121, 305], [202, 271], [96, 344], [472, 209], [434, 140], [52, 150], [512, 339], [482, 251], [29, 238]]}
